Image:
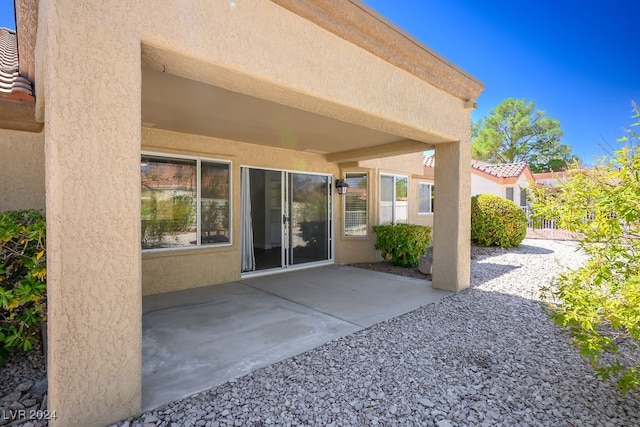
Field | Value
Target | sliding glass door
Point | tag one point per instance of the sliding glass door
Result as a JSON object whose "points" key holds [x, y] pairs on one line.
{"points": [[309, 225], [286, 219]]}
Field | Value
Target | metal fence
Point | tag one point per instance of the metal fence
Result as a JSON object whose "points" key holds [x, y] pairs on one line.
{"points": [[545, 228]]}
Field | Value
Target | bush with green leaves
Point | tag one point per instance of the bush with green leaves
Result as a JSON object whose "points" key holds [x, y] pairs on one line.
{"points": [[496, 221], [403, 244], [599, 303], [23, 274]]}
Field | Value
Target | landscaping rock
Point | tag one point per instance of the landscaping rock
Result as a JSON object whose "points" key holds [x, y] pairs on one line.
{"points": [[484, 357]]}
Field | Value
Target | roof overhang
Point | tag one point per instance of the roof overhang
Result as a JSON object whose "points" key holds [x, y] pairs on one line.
{"points": [[264, 120], [356, 23], [179, 104], [18, 115], [17, 110], [180, 94]]}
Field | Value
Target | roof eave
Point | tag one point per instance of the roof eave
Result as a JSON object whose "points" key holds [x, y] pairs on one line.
{"points": [[356, 23], [18, 115]]}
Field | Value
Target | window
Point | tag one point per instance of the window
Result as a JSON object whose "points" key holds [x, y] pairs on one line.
{"points": [[510, 193], [355, 205], [393, 199], [425, 198], [523, 197], [185, 202]]}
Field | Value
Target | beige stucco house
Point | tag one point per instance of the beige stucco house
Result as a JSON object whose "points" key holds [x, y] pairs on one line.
{"points": [[162, 135]]}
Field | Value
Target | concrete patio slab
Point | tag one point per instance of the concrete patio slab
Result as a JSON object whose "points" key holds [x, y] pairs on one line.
{"points": [[358, 296], [197, 339]]}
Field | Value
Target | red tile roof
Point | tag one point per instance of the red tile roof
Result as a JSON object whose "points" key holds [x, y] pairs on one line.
{"points": [[501, 170], [12, 85], [430, 161]]}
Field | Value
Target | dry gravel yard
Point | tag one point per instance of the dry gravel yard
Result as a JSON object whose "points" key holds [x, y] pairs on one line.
{"points": [[484, 357]]}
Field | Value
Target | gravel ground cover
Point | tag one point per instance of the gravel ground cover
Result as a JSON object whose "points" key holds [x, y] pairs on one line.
{"points": [[488, 356]]}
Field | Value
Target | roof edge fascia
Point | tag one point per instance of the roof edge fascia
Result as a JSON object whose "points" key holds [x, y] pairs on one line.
{"points": [[18, 115], [358, 24]]}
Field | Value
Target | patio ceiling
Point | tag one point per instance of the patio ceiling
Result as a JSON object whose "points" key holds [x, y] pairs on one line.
{"points": [[179, 104]]}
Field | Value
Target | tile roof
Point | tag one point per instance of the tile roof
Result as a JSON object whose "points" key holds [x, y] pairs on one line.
{"points": [[501, 170], [12, 85], [430, 161]]}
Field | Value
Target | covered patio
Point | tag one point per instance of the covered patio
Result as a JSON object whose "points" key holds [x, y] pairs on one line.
{"points": [[199, 338], [307, 89]]}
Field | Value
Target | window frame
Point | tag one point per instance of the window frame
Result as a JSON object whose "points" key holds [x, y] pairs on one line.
{"points": [[367, 207], [394, 197], [430, 186], [523, 197], [513, 193], [199, 160]]}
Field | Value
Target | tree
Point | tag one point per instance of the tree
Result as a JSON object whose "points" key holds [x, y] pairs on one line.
{"points": [[515, 132], [599, 303]]}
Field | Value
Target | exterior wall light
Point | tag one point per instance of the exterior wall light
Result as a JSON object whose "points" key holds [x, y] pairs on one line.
{"points": [[341, 186]]}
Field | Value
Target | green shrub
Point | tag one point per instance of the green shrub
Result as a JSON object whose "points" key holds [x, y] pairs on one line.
{"points": [[598, 303], [404, 244], [23, 275], [496, 221]]}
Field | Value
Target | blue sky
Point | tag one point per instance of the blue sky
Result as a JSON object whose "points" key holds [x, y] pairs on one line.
{"points": [[575, 59], [6, 14]]}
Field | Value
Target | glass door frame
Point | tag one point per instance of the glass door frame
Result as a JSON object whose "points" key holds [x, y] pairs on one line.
{"points": [[327, 223], [286, 250]]}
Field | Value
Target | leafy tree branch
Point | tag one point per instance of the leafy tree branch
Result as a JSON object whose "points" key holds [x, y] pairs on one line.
{"points": [[599, 303]]}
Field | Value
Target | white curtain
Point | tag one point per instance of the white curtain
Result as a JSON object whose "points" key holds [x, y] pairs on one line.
{"points": [[248, 258]]}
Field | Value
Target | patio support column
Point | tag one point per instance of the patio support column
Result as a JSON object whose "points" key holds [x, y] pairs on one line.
{"points": [[88, 62], [452, 216]]}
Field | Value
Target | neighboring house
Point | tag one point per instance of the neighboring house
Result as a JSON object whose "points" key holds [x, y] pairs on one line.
{"points": [[195, 128], [508, 180]]}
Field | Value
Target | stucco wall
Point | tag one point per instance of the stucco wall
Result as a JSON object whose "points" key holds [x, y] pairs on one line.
{"points": [[226, 46], [353, 249], [452, 216], [21, 170], [482, 185], [171, 270], [165, 271], [88, 63], [409, 163]]}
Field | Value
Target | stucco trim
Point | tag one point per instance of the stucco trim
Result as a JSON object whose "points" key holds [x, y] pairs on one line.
{"points": [[370, 153], [356, 23], [18, 115]]}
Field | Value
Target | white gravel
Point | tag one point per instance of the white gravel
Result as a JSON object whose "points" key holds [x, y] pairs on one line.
{"points": [[484, 357]]}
